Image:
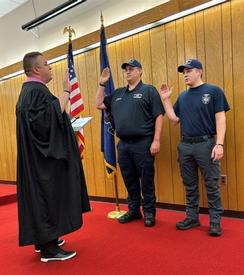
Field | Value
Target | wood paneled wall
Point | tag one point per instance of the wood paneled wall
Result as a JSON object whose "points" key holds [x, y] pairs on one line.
{"points": [[216, 37], [152, 15]]}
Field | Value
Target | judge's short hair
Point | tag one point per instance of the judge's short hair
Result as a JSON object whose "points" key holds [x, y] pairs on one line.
{"points": [[29, 61]]}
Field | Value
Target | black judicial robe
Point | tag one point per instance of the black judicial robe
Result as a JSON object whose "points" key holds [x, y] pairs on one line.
{"points": [[51, 187]]}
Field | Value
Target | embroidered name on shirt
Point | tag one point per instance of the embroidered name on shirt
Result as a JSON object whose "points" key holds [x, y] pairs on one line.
{"points": [[137, 96], [118, 98], [206, 98]]}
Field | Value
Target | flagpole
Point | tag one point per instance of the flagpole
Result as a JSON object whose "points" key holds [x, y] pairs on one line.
{"points": [[116, 193], [117, 213]]}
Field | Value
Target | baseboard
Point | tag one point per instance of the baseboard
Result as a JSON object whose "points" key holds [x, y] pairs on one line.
{"points": [[8, 199], [175, 207], [7, 182]]}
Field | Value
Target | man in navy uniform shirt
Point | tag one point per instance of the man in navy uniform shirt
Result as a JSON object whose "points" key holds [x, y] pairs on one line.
{"points": [[137, 112], [200, 110]]}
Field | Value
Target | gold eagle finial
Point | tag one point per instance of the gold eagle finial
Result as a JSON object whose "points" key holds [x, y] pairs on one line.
{"points": [[70, 31]]}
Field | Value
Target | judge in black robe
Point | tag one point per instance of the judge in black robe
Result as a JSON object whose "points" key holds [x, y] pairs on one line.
{"points": [[51, 187]]}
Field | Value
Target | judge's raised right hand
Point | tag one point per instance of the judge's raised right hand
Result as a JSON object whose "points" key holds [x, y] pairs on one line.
{"points": [[105, 75], [165, 91], [66, 81]]}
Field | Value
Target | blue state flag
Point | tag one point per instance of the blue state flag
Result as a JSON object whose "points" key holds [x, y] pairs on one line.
{"points": [[107, 125]]}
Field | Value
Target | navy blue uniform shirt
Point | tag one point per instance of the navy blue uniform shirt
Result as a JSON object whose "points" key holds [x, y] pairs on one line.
{"points": [[134, 112], [196, 108]]}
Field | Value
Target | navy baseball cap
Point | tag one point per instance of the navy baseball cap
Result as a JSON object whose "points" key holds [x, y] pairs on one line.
{"points": [[132, 63], [190, 64]]}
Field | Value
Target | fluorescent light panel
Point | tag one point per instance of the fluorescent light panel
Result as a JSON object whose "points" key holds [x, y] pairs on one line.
{"points": [[132, 32], [51, 14]]}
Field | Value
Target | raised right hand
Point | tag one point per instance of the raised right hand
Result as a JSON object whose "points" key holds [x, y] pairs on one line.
{"points": [[105, 75], [165, 91], [66, 81]]}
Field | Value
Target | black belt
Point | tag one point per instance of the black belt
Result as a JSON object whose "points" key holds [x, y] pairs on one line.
{"points": [[138, 139], [196, 139]]}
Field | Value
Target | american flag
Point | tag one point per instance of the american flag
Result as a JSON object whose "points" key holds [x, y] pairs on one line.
{"points": [[76, 101]]}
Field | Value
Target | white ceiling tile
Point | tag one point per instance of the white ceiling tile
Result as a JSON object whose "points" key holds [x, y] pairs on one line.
{"points": [[7, 6]]}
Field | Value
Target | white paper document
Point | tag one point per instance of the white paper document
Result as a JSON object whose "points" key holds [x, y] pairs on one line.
{"points": [[78, 123]]}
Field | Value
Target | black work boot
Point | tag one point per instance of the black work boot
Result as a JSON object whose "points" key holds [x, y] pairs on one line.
{"points": [[128, 217], [188, 223], [149, 219], [215, 229]]}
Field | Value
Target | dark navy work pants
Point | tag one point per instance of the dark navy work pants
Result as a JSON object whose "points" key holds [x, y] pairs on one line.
{"points": [[137, 168], [191, 157]]}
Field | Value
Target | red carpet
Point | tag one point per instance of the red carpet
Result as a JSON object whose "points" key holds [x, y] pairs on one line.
{"points": [[106, 247]]}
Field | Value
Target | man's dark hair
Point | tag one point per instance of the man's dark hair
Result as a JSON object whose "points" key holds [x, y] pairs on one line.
{"points": [[29, 61]]}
